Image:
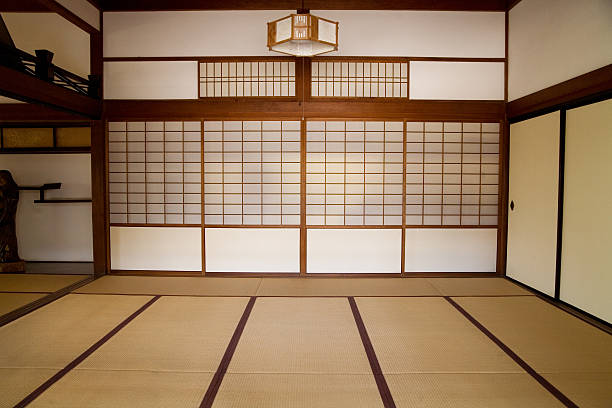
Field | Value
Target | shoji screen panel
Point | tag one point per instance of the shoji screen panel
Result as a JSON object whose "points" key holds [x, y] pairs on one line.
{"points": [[586, 276], [154, 172], [360, 79], [354, 173], [452, 173], [252, 173], [222, 78]]}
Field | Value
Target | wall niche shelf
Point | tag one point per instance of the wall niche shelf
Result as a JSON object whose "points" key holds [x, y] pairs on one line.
{"points": [[52, 186]]}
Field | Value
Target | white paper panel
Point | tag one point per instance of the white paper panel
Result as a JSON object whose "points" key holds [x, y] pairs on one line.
{"points": [[457, 80], [156, 248], [586, 266], [354, 250], [551, 42], [83, 9], [252, 250], [53, 232], [373, 33], [151, 80], [451, 250], [534, 188]]}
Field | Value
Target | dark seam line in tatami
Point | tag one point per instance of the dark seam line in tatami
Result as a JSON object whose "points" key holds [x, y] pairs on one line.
{"points": [[522, 363], [55, 378], [215, 384], [381, 382]]}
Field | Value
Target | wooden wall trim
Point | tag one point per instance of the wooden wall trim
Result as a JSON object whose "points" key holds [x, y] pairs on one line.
{"points": [[200, 58], [27, 112], [440, 5], [54, 6], [27, 88], [512, 3], [419, 110], [589, 85]]}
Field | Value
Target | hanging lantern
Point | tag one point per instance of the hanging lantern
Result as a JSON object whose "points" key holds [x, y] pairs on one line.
{"points": [[303, 35]]}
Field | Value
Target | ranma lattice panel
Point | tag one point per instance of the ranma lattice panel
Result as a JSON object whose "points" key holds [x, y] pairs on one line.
{"points": [[252, 172], [452, 173], [154, 172], [354, 173], [360, 79], [247, 79]]}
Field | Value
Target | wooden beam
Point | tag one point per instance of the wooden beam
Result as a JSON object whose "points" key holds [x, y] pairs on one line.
{"points": [[54, 6], [211, 109], [447, 5], [584, 86], [21, 6], [99, 195], [28, 112], [28, 88], [512, 3]]}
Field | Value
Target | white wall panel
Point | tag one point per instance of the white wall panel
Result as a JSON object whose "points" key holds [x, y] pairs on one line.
{"points": [[534, 188], [372, 33], [83, 9], [252, 249], [151, 80], [50, 31], [354, 250], [552, 41], [586, 266], [451, 250], [53, 232], [456, 80], [156, 248]]}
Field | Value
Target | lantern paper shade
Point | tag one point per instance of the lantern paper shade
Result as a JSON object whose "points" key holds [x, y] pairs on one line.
{"points": [[303, 35]]}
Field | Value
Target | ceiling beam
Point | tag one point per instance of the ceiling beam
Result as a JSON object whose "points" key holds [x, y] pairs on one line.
{"points": [[31, 112], [54, 6], [441, 5], [21, 6], [28, 88]]}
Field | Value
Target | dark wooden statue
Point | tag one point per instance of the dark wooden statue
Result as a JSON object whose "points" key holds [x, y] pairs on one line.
{"points": [[9, 197]]}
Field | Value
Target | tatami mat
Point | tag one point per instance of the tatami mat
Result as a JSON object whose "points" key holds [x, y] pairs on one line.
{"points": [[187, 334], [427, 335], [474, 390], [126, 389], [477, 287], [571, 354], [20, 282], [300, 335], [16, 383], [54, 335], [298, 391], [346, 287], [12, 301], [162, 285]]}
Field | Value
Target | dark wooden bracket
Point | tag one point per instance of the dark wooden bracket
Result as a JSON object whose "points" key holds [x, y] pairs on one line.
{"points": [[52, 186]]}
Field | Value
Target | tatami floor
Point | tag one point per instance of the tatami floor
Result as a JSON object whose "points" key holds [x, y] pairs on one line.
{"points": [[125, 341]]}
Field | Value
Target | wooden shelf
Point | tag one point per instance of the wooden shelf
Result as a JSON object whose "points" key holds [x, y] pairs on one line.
{"points": [[52, 186]]}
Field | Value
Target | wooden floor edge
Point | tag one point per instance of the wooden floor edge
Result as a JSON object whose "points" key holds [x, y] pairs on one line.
{"points": [[567, 308]]}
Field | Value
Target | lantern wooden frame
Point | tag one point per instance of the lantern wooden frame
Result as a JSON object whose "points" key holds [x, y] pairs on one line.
{"points": [[306, 31]]}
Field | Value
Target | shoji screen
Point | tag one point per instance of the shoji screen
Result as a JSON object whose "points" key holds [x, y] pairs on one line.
{"points": [[452, 173], [354, 173], [154, 172], [586, 268], [252, 173], [252, 178]]}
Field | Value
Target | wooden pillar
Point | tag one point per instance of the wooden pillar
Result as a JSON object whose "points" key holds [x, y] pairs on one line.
{"points": [[99, 197]]}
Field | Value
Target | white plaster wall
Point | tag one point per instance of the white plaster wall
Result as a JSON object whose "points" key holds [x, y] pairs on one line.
{"points": [[151, 80], [451, 250], [83, 9], [354, 250], [551, 41], [252, 249], [457, 80], [34, 31], [53, 232], [244, 33], [156, 248]]}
